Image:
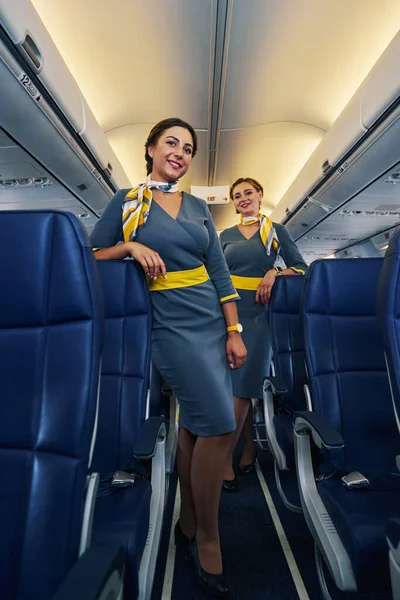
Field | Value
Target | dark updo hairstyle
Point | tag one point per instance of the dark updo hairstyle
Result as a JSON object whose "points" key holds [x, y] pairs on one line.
{"points": [[256, 185], [158, 130]]}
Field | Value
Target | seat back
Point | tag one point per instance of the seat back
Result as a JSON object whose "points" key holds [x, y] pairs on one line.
{"points": [[125, 368], [345, 360], [50, 343], [287, 338], [389, 316]]}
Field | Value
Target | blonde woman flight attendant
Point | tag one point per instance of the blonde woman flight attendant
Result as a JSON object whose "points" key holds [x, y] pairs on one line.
{"points": [[251, 249], [195, 338]]}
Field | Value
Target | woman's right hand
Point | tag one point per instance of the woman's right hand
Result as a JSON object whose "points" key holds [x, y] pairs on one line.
{"points": [[150, 260]]}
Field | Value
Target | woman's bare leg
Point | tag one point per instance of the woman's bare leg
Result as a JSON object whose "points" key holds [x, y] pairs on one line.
{"points": [[241, 411], [187, 517], [249, 450], [208, 463]]}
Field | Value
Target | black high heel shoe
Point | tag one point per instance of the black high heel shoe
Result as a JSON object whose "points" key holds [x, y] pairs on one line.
{"points": [[246, 469], [230, 485], [180, 538], [215, 584]]}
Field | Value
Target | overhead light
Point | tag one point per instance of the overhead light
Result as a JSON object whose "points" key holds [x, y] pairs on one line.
{"points": [[330, 256], [84, 216], [384, 247]]}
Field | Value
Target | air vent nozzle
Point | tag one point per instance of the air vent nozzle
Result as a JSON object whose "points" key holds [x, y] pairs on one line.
{"points": [[8, 183]]}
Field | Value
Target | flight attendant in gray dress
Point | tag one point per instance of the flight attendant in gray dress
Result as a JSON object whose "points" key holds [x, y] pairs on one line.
{"points": [[251, 249], [196, 340]]}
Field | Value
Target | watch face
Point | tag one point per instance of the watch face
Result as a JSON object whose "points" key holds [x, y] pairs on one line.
{"points": [[240, 328]]}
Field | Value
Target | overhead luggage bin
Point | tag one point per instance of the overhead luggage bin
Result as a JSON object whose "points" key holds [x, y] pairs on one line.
{"points": [[382, 85], [41, 71], [35, 45], [344, 142], [96, 139]]}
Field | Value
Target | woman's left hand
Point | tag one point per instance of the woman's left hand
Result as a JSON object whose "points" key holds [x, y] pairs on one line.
{"points": [[235, 350], [265, 287]]}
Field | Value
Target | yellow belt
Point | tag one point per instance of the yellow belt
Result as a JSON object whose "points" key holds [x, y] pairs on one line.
{"points": [[246, 283], [179, 279]]}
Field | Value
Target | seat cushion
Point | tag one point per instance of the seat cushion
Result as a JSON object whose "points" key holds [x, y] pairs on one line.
{"points": [[284, 434], [122, 518], [360, 518]]}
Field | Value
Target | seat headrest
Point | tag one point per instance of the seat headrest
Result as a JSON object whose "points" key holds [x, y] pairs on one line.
{"points": [[44, 246], [344, 286]]}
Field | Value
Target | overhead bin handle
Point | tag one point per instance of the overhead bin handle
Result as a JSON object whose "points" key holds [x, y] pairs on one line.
{"points": [[32, 51], [325, 167]]}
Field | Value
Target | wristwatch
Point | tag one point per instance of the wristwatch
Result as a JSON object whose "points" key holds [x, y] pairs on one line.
{"points": [[238, 327], [278, 270]]}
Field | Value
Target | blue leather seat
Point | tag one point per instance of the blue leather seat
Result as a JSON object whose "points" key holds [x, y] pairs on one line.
{"points": [[352, 423], [388, 315], [288, 374], [288, 357], [51, 331], [129, 505]]}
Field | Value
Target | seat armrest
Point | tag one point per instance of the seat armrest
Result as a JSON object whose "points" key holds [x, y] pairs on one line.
{"points": [[324, 435], [98, 573], [393, 532], [152, 430], [275, 384]]}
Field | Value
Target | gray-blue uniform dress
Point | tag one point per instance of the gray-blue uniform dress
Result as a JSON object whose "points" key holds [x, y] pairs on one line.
{"points": [[248, 258], [189, 330]]}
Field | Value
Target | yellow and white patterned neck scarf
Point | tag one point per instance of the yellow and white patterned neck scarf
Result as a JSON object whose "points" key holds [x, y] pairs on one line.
{"points": [[267, 231], [137, 204]]}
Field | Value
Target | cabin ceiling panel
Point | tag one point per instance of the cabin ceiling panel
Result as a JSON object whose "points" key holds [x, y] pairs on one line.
{"points": [[135, 61], [273, 154], [302, 61], [291, 68]]}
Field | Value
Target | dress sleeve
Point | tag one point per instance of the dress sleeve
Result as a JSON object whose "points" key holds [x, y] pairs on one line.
{"points": [[216, 266], [289, 251], [108, 230]]}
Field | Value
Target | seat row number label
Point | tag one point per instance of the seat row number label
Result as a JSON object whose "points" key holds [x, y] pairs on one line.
{"points": [[29, 87]]}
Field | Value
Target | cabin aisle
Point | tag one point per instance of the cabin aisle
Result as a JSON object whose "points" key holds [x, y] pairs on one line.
{"points": [[257, 566]]}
